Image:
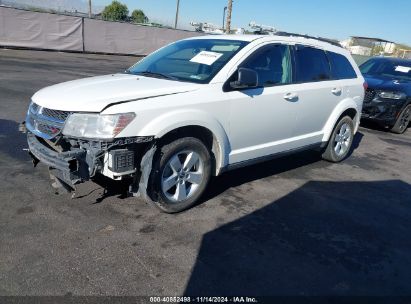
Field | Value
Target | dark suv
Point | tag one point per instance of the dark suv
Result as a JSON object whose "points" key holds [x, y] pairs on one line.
{"points": [[388, 97]]}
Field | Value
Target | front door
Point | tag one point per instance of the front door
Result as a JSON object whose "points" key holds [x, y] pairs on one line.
{"points": [[262, 119]]}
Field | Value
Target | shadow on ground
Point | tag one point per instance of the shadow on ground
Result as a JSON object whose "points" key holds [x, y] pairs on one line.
{"points": [[111, 188], [228, 180], [274, 167], [12, 141], [369, 124], [9, 129], [325, 238], [231, 179], [372, 125]]}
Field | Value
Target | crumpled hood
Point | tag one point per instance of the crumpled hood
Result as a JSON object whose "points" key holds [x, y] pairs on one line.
{"points": [[389, 84], [93, 94]]}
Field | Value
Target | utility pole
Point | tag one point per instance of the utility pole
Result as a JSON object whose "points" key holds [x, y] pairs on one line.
{"points": [[178, 7], [225, 8], [89, 8], [229, 10]]}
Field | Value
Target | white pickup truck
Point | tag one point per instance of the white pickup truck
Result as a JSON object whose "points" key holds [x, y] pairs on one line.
{"points": [[196, 108]]}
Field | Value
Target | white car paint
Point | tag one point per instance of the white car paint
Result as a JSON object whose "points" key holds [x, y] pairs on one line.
{"points": [[245, 125], [93, 94]]}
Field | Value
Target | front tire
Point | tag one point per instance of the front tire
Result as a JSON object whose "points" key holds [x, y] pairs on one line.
{"points": [[403, 121], [340, 141], [180, 174]]}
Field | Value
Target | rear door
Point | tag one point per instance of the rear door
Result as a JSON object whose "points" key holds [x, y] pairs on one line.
{"points": [[318, 93], [346, 78]]}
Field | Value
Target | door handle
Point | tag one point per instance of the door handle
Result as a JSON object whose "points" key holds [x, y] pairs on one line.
{"points": [[336, 91], [290, 96]]}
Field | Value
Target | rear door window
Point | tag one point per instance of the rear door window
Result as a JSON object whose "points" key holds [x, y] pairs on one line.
{"points": [[311, 64], [341, 68]]}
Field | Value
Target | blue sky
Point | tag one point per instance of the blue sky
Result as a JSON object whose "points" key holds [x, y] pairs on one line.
{"points": [[338, 19]]}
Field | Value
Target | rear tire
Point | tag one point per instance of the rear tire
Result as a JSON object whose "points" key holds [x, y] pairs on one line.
{"points": [[403, 121], [340, 141], [180, 174]]}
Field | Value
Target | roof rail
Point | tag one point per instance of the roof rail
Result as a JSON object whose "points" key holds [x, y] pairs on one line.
{"points": [[333, 42]]}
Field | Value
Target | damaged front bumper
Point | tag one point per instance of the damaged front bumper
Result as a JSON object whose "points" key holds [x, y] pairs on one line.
{"points": [[70, 167], [73, 161], [382, 111]]}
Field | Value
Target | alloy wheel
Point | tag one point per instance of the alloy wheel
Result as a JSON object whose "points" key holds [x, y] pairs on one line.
{"points": [[342, 139], [182, 176], [405, 119]]}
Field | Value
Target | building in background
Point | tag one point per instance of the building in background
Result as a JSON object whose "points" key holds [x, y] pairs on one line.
{"points": [[360, 50], [404, 53], [367, 46]]}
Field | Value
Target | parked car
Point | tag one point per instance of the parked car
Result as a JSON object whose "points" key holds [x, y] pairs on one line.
{"points": [[388, 97], [195, 109]]}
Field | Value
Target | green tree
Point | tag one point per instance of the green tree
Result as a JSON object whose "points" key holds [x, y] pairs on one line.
{"points": [[138, 16], [116, 11], [377, 50]]}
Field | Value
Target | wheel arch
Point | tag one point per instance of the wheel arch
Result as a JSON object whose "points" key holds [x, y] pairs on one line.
{"points": [[200, 125], [347, 107]]}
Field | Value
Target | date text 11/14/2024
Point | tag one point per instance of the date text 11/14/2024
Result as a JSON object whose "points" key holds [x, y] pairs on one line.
{"points": [[203, 300]]}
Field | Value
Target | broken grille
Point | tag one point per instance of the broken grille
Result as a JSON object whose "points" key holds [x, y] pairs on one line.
{"points": [[44, 122], [55, 114], [369, 95]]}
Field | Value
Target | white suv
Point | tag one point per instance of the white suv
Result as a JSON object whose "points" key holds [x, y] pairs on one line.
{"points": [[196, 108]]}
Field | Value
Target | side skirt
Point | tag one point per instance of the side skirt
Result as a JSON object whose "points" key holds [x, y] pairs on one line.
{"points": [[316, 146]]}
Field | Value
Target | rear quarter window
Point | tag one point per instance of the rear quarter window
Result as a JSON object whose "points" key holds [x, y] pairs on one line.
{"points": [[341, 68]]}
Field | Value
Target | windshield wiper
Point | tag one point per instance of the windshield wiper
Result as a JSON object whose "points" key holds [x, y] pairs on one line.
{"points": [[156, 75]]}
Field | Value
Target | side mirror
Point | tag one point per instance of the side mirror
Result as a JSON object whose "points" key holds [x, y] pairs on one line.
{"points": [[247, 79]]}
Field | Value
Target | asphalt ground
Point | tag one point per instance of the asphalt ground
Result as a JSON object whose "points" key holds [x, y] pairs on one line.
{"points": [[293, 226]]}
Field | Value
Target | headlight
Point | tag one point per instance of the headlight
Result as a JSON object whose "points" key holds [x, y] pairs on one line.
{"points": [[392, 95], [96, 125]]}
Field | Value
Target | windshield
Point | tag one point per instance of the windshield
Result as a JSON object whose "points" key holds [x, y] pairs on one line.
{"points": [[400, 70], [195, 60]]}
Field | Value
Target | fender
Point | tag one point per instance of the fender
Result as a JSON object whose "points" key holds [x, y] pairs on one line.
{"points": [[345, 104], [170, 121]]}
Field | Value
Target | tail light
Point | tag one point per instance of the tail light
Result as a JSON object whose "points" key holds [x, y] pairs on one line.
{"points": [[365, 85]]}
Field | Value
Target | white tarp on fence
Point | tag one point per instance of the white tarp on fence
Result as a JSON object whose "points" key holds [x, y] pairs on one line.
{"points": [[28, 29], [125, 38], [40, 30]]}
